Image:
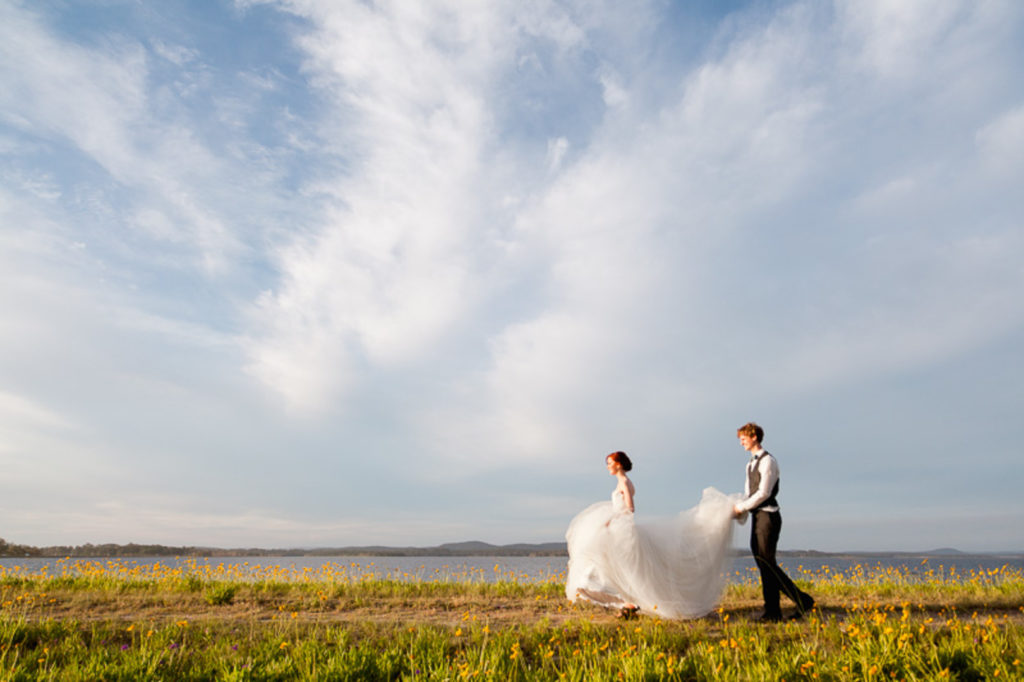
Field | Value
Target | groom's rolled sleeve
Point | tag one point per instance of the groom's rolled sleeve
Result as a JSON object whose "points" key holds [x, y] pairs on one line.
{"points": [[769, 470]]}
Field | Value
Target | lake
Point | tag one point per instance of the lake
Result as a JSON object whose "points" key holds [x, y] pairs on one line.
{"points": [[547, 568]]}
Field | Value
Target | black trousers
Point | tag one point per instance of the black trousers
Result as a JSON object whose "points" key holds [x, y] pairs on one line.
{"points": [[764, 538]]}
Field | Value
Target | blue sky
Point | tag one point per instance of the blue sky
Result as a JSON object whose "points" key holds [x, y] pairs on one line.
{"points": [[319, 273]]}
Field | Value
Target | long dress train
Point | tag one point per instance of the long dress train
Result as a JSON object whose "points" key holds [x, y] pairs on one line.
{"points": [[671, 567]]}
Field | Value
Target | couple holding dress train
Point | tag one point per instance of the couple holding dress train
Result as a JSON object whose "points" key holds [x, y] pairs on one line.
{"points": [[676, 567]]}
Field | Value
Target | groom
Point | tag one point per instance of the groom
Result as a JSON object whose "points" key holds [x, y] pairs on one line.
{"points": [[761, 489]]}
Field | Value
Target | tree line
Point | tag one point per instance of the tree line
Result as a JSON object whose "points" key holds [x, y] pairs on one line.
{"points": [[89, 550]]}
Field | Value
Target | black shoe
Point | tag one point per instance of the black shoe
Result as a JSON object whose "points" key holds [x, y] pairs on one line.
{"points": [[806, 604], [769, 618]]}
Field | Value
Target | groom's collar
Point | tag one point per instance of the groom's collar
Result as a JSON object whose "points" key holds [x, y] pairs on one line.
{"points": [[754, 454]]}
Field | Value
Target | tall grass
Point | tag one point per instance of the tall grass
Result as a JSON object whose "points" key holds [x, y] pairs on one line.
{"points": [[116, 621]]}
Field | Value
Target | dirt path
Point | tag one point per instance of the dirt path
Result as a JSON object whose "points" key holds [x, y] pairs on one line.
{"points": [[502, 611]]}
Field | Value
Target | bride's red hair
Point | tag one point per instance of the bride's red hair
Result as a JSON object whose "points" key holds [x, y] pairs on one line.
{"points": [[621, 458]]}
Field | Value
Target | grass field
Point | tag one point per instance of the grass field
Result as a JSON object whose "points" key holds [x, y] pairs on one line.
{"points": [[111, 620]]}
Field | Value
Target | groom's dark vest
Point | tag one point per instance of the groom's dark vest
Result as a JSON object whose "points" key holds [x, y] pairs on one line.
{"points": [[755, 482]]}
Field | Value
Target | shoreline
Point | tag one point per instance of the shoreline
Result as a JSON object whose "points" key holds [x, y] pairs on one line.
{"points": [[462, 549]]}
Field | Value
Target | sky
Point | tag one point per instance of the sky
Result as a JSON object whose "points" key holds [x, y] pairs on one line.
{"points": [[321, 273]]}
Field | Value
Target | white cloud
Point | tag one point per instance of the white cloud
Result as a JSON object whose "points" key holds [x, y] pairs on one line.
{"points": [[180, 520], [179, 55], [22, 409], [98, 99], [1001, 143], [55, 87], [466, 240], [39, 185], [621, 237], [633, 219], [894, 40], [615, 95], [556, 152], [389, 270]]}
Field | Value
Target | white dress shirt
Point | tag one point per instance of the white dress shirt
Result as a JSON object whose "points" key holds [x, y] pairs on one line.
{"points": [[769, 470]]}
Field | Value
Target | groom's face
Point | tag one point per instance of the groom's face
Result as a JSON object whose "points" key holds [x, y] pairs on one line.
{"points": [[748, 442]]}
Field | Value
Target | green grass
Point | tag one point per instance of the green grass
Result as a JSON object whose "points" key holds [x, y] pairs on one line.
{"points": [[112, 624], [875, 644]]}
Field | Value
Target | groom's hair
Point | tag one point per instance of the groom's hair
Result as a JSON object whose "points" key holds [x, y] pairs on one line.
{"points": [[622, 459], [751, 430]]}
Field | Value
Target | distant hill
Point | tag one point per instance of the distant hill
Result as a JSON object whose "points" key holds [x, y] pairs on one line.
{"points": [[454, 549]]}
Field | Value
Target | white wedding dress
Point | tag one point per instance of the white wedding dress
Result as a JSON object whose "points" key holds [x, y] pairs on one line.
{"points": [[670, 567]]}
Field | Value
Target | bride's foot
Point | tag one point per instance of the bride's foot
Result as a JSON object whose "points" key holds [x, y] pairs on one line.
{"points": [[628, 612]]}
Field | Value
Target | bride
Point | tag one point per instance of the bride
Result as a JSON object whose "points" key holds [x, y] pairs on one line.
{"points": [[672, 567]]}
